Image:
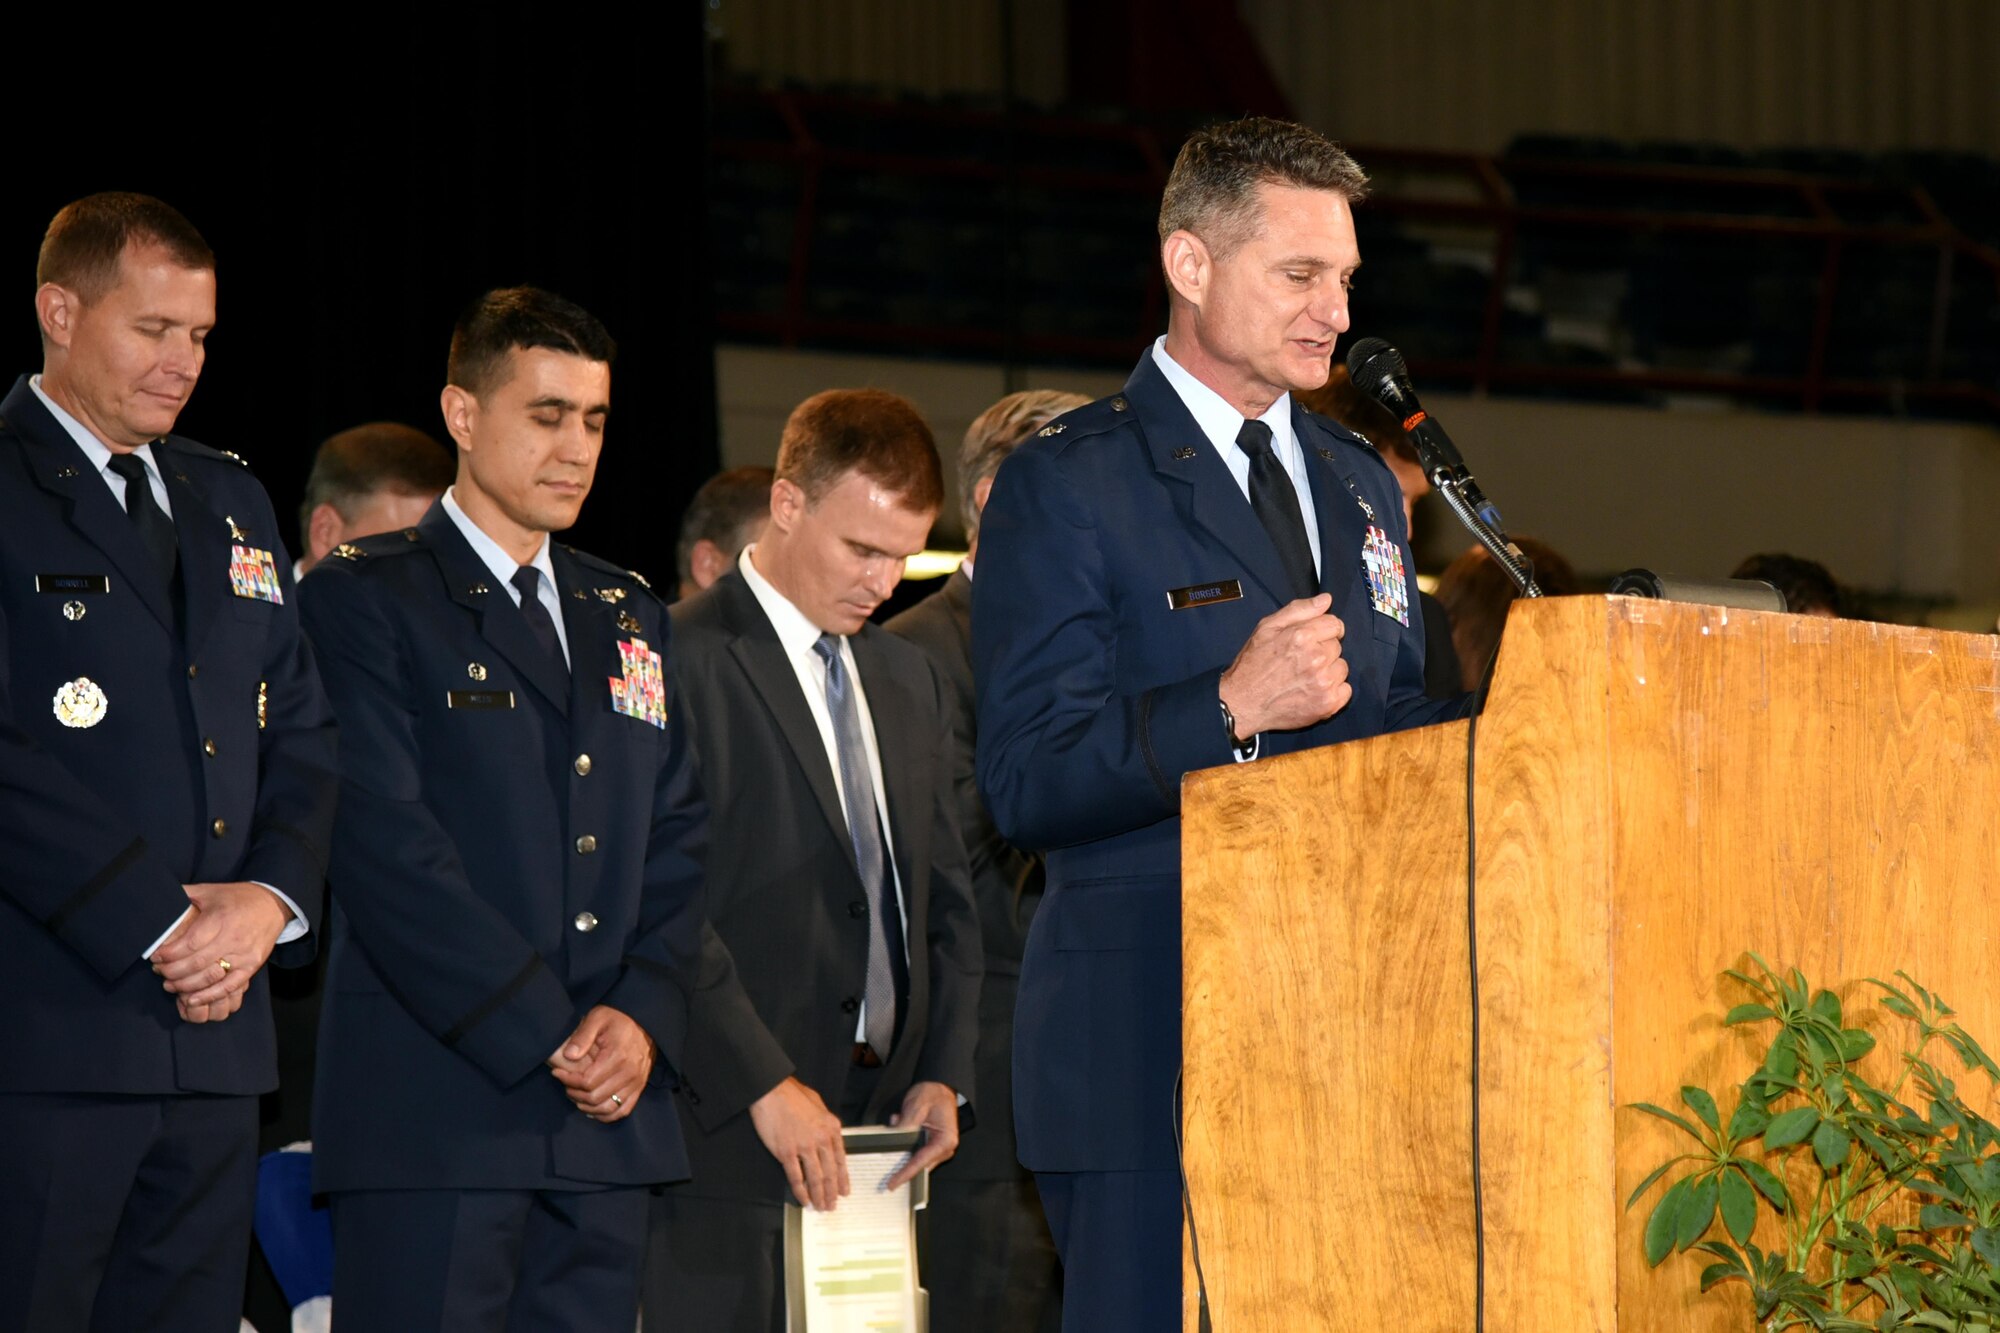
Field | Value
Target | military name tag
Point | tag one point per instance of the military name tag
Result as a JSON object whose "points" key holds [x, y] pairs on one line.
{"points": [[478, 698], [1382, 561], [81, 703], [71, 584], [641, 691], [1204, 594], [254, 574]]}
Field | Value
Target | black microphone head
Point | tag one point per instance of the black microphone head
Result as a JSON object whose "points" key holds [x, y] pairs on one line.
{"points": [[1378, 369]]}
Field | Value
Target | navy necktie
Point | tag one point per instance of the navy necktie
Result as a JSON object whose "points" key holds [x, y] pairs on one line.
{"points": [[529, 580], [156, 530], [1277, 507], [857, 789]]}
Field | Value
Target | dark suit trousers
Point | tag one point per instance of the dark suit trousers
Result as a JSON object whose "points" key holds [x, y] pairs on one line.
{"points": [[1119, 1234], [124, 1212], [989, 1261], [718, 1265], [488, 1261]]}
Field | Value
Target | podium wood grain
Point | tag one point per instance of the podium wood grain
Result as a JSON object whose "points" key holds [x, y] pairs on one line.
{"points": [[1658, 788]]}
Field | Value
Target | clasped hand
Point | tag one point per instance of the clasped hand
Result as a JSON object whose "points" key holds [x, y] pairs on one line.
{"points": [[236, 924], [604, 1064]]}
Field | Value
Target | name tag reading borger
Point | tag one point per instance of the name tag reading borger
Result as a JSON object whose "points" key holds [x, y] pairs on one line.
{"points": [[1204, 594], [479, 699]]}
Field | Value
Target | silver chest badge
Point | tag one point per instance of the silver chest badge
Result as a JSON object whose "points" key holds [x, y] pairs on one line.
{"points": [[81, 703]]}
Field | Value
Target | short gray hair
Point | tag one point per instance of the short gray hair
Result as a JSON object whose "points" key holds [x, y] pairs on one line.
{"points": [[996, 432], [1212, 191]]}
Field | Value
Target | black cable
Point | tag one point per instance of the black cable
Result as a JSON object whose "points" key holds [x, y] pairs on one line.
{"points": [[1472, 958], [1187, 1206]]}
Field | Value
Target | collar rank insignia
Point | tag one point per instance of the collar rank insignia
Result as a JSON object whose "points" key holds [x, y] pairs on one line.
{"points": [[612, 595], [478, 590], [1184, 453], [254, 574], [641, 690], [236, 534]]}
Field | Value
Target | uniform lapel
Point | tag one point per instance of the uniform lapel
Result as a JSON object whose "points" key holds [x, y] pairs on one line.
{"points": [[1343, 531], [62, 470], [470, 583], [1215, 502], [888, 700], [590, 625], [762, 657], [204, 536]]}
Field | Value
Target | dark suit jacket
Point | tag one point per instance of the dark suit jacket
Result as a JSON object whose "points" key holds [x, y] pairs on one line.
{"points": [[475, 844], [100, 826], [785, 898], [1006, 883], [1096, 698]]}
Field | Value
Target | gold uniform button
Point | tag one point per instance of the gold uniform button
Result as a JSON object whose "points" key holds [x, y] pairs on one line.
{"points": [[220, 828], [585, 922], [586, 844], [208, 747], [583, 765], [193, 670]]}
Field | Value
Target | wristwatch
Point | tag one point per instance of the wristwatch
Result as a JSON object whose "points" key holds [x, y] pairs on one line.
{"points": [[1244, 749]]}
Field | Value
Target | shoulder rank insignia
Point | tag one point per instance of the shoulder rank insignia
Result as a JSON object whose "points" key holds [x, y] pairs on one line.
{"points": [[640, 579], [1057, 429], [236, 458], [612, 595], [348, 551]]}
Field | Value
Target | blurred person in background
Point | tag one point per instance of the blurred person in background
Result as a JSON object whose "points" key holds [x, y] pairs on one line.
{"points": [[994, 1265], [1808, 588], [367, 479], [726, 515], [1476, 593]]}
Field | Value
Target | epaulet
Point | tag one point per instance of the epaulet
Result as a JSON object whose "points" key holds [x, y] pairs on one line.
{"points": [[399, 542], [200, 450], [602, 566], [1090, 419]]}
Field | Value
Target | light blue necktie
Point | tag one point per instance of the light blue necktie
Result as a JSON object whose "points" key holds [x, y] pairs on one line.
{"points": [[857, 789]]}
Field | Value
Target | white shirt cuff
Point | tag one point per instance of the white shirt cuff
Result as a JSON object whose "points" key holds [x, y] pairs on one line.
{"points": [[148, 955], [296, 927]]}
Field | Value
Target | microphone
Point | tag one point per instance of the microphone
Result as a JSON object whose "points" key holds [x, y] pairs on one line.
{"points": [[1378, 370]]}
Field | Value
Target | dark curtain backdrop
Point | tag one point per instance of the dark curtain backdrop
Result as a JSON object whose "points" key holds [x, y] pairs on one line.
{"points": [[361, 177]]}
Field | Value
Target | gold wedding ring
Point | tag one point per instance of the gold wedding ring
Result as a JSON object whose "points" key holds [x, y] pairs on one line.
{"points": [[616, 1100], [223, 963]]}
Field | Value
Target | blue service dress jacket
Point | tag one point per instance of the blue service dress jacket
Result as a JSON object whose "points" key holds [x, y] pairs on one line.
{"points": [[1098, 692], [515, 846], [211, 759]]}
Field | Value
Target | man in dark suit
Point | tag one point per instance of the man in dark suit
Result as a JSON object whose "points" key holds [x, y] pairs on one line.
{"points": [[516, 873], [837, 881], [992, 1265], [166, 794], [1192, 572]]}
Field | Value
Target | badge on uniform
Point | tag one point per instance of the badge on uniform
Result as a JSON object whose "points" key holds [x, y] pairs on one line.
{"points": [[642, 691], [254, 574], [1388, 589], [81, 703]]}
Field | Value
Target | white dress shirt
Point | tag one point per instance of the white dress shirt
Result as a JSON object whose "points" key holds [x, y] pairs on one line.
{"points": [[797, 635], [496, 559], [99, 455], [1220, 423]]}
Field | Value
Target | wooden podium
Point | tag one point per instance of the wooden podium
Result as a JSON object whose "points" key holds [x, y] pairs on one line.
{"points": [[1654, 789]]}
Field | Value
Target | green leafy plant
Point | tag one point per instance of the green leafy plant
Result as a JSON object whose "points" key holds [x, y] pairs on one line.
{"points": [[1860, 1160]]}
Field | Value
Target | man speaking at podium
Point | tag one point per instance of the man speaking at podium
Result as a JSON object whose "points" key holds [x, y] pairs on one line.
{"points": [[1193, 572]]}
